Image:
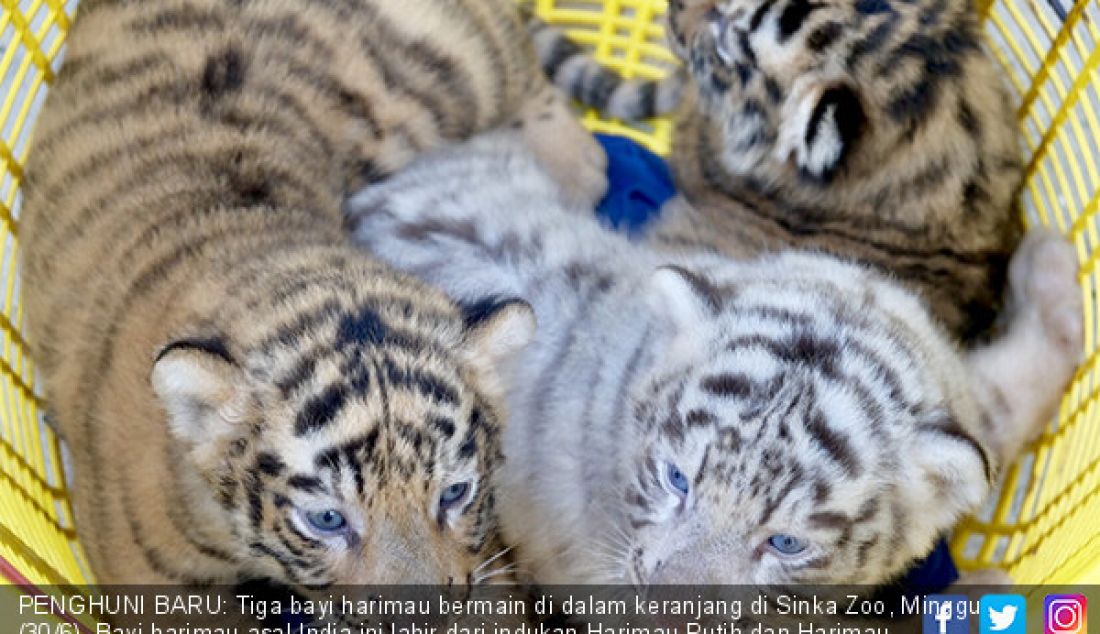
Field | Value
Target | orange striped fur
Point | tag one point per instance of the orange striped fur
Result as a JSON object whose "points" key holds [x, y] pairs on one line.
{"points": [[224, 366]]}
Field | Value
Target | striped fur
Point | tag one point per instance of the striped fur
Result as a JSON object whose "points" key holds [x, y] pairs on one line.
{"points": [[220, 360], [796, 393], [573, 70], [877, 130]]}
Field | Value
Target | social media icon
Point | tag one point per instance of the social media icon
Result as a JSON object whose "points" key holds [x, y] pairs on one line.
{"points": [[1003, 614], [946, 614], [1065, 614]]}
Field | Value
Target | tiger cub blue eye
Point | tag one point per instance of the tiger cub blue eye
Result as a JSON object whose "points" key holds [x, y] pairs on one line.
{"points": [[677, 480], [453, 494], [787, 544], [328, 521]]}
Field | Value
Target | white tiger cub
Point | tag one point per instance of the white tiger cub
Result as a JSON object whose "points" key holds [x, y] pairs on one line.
{"points": [[695, 419]]}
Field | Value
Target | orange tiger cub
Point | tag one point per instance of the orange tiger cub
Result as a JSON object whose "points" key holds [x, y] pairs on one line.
{"points": [[245, 394]]}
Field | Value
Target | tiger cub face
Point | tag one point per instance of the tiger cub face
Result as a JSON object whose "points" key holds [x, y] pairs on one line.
{"points": [[794, 437], [804, 90], [364, 459]]}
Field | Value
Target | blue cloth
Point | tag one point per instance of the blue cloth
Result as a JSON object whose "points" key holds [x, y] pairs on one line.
{"points": [[639, 183]]}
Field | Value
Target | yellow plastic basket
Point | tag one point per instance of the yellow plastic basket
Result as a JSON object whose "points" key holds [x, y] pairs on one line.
{"points": [[1043, 527]]}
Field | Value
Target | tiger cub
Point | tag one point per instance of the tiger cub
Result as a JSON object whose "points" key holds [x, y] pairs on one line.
{"points": [[690, 418], [246, 394], [877, 130]]}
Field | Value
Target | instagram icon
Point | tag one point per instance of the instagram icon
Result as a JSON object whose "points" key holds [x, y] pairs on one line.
{"points": [[1064, 614]]}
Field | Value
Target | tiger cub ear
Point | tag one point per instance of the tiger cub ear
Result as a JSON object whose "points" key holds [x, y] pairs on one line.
{"points": [[685, 302], [821, 123], [497, 329], [951, 466], [197, 382], [684, 298]]}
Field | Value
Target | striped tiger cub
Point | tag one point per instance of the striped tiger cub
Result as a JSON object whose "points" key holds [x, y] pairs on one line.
{"points": [[246, 394], [687, 418], [877, 130]]}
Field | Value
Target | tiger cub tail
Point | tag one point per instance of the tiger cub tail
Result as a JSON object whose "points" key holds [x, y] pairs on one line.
{"points": [[577, 73]]}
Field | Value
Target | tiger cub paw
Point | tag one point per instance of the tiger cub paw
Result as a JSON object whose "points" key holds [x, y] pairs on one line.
{"points": [[569, 152], [1043, 278]]}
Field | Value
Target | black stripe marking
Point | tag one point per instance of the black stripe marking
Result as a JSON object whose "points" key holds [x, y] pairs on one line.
{"points": [[746, 49], [361, 328], [286, 563], [469, 443], [288, 28], [598, 87], [328, 85], [873, 7], [728, 385], [700, 418], [309, 541], [357, 452], [443, 425], [82, 78], [254, 492], [478, 313], [301, 373], [359, 379], [867, 512], [224, 73], [307, 483], [932, 13], [290, 334], [426, 383], [913, 104], [864, 550], [830, 519], [92, 165], [195, 165], [561, 51], [758, 16], [835, 443], [172, 91], [285, 541], [321, 410], [646, 102], [793, 16], [179, 18], [270, 464], [214, 346], [329, 459], [967, 119], [449, 82], [873, 41]]}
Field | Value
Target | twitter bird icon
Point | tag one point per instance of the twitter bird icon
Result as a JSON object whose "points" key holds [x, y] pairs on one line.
{"points": [[1003, 614]]}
